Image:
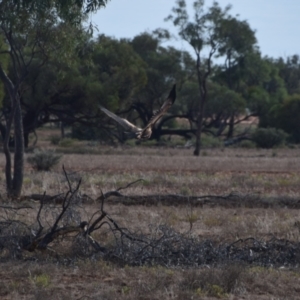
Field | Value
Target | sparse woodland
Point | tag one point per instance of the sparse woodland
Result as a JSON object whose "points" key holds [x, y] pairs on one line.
{"points": [[86, 213]]}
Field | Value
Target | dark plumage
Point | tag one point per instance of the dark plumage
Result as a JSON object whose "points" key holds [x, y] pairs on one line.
{"points": [[144, 133]]}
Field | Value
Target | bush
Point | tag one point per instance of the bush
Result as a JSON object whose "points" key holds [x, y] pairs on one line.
{"points": [[43, 160], [269, 137], [246, 144], [88, 133], [55, 139], [288, 117], [67, 142], [208, 141], [214, 282]]}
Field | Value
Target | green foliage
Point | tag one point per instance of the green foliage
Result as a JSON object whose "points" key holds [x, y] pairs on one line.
{"points": [[164, 67], [43, 160], [47, 39], [288, 117], [236, 37], [55, 139], [289, 71], [88, 133], [269, 137], [64, 8], [106, 71], [217, 291], [246, 144], [42, 280], [72, 74], [34, 32], [209, 141], [258, 100], [172, 123], [222, 100], [67, 142], [257, 80], [119, 69]]}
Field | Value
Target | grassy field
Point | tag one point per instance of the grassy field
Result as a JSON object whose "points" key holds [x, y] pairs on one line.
{"points": [[271, 176]]}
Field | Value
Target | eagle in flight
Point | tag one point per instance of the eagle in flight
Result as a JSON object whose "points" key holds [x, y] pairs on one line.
{"points": [[144, 133]]}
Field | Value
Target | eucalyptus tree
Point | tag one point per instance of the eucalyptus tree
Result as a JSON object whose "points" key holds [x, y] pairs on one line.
{"points": [[27, 29], [214, 33], [201, 33], [236, 41]]}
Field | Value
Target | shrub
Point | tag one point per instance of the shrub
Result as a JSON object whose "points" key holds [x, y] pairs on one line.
{"points": [[214, 282], [55, 139], [41, 281], [269, 137], [43, 160], [172, 123], [288, 117], [246, 144], [67, 142], [88, 133], [208, 141]]}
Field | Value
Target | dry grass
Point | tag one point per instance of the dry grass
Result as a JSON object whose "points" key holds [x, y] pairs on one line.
{"points": [[267, 173], [99, 280], [174, 171]]}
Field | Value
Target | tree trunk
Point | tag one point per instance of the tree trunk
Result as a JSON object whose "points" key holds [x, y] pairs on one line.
{"points": [[199, 126], [198, 137], [8, 161], [62, 129], [13, 184], [10, 88], [2, 131], [19, 150], [202, 99], [26, 139], [231, 127]]}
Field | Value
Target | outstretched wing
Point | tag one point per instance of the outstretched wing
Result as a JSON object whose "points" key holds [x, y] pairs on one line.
{"points": [[166, 105], [123, 122]]}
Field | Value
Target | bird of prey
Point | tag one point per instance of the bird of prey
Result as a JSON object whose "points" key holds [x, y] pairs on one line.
{"points": [[144, 133]]}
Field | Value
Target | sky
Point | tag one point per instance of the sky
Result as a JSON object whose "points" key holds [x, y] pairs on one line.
{"points": [[276, 22]]}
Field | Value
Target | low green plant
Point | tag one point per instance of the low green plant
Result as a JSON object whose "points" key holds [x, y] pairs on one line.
{"points": [[185, 191], [214, 282], [41, 281], [192, 218], [269, 137], [204, 153], [67, 142], [55, 139], [208, 141], [215, 290], [43, 160], [247, 144], [125, 290]]}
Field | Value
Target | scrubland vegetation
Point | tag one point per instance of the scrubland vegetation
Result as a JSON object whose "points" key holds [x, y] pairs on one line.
{"points": [[232, 213]]}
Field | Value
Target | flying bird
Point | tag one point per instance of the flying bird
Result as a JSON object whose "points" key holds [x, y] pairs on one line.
{"points": [[144, 133]]}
